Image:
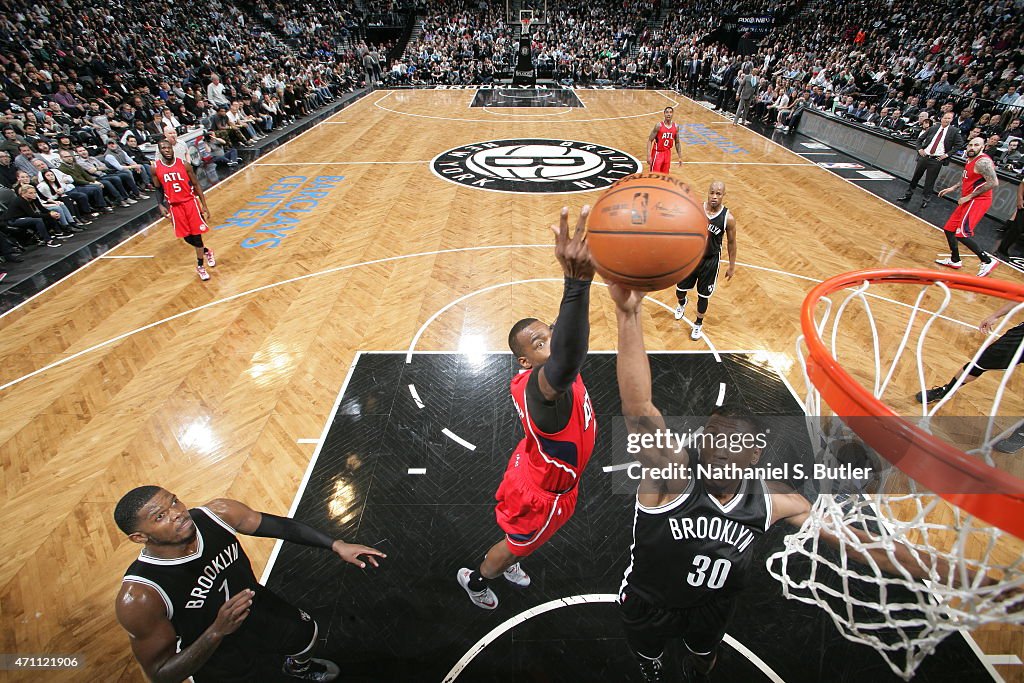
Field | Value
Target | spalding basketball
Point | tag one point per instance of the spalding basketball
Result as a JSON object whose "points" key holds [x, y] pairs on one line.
{"points": [[647, 231]]}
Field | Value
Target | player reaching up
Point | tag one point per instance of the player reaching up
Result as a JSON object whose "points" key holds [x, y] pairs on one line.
{"points": [[537, 494]]}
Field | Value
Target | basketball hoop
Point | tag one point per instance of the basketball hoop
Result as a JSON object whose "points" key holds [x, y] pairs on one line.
{"points": [[961, 517]]}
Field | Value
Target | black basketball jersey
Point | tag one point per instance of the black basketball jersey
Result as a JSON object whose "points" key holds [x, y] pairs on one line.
{"points": [[716, 229], [194, 587], [694, 547]]}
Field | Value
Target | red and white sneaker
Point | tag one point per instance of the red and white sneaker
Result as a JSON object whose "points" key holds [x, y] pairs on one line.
{"points": [[987, 268], [515, 574], [210, 260], [485, 599], [955, 265], [203, 275]]}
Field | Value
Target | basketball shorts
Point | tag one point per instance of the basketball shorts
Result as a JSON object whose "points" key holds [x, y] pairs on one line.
{"points": [[274, 629], [527, 514], [648, 627], [187, 219], [966, 217], [704, 277], [661, 162], [999, 354]]}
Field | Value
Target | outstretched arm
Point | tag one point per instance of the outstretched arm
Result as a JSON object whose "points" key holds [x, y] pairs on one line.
{"points": [[899, 560], [248, 521], [570, 338], [633, 372]]}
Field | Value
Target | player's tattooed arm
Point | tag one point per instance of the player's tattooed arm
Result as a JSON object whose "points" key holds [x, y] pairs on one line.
{"points": [[987, 169]]}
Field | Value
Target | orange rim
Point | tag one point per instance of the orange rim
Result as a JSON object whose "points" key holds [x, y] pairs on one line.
{"points": [[936, 464]]}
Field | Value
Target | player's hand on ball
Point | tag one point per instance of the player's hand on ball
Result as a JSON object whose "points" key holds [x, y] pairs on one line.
{"points": [[626, 300], [233, 612], [350, 552], [573, 253]]}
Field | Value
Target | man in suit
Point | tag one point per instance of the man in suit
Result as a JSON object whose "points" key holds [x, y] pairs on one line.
{"points": [[933, 150], [888, 120], [745, 93]]}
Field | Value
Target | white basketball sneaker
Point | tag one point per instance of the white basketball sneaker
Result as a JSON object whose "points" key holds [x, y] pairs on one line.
{"points": [[987, 268], [696, 332], [949, 263], [679, 311], [516, 575], [485, 599]]}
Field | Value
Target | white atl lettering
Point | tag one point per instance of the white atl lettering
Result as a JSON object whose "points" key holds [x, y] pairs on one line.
{"points": [[205, 581], [171, 177]]}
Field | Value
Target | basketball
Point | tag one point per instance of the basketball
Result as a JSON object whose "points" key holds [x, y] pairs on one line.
{"points": [[647, 231]]}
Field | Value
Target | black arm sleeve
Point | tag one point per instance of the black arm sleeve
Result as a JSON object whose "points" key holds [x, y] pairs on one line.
{"points": [[569, 343], [272, 526], [571, 337], [550, 417]]}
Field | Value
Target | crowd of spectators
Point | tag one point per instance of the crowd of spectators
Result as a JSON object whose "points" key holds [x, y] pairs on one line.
{"points": [[103, 82], [891, 55]]}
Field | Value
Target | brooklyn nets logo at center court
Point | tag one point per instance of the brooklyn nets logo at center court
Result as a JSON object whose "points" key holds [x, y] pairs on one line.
{"points": [[535, 165]]}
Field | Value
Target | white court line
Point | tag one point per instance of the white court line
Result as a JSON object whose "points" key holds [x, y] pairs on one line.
{"points": [[744, 163], [493, 121], [431, 319], [721, 394], [415, 395], [247, 292], [1003, 660], [146, 229], [862, 179], [557, 113], [593, 598], [417, 470], [337, 269], [458, 439], [616, 468], [309, 468], [817, 154], [105, 256], [335, 163], [307, 441]]}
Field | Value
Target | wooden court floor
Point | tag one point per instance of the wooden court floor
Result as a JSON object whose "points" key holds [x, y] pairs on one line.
{"points": [[131, 371]]}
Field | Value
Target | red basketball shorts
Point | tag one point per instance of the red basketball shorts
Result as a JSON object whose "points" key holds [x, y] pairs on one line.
{"points": [[528, 515], [967, 216], [661, 162], [187, 219]]}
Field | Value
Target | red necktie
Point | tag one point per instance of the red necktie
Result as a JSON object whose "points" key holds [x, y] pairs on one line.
{"points": [[935, 142]]}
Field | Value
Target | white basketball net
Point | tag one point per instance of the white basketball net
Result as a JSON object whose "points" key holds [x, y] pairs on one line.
{"points": [[902, 617]]}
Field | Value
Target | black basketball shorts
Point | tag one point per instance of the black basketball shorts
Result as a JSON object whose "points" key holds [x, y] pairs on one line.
{"points": [[273, 628], [703, 277], [648, 627], [999, 354]]}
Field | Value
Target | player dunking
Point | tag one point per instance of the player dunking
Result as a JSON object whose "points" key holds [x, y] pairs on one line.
{"points": [[537, 494], [178, 185], [720, 221], [693, 536], [191, 604], [662, 139], [976, 187]]}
